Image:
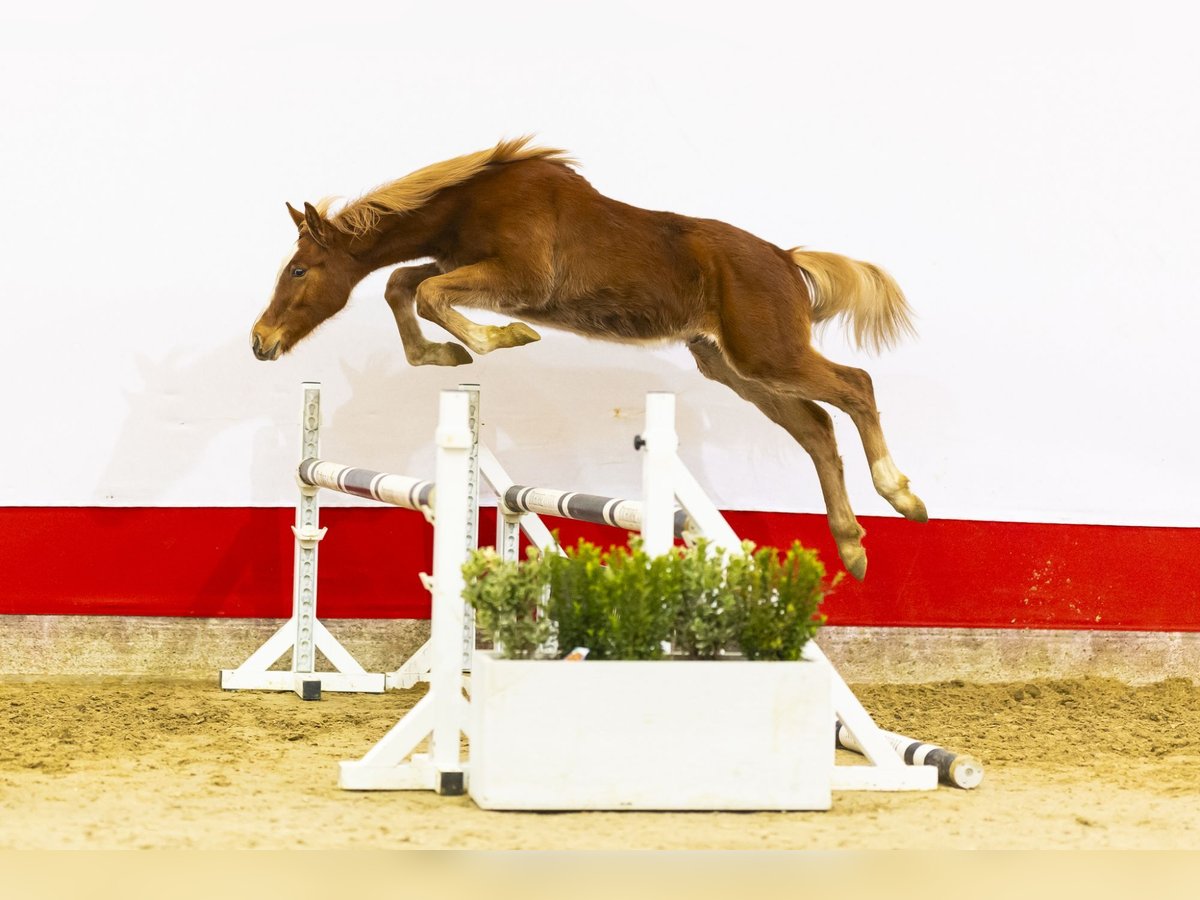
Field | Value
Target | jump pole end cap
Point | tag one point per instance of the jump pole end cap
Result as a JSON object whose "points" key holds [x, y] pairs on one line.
{"points": [[966, 772]]}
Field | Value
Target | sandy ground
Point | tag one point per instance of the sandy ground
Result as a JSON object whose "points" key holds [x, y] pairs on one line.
{"points": [[151, 764]]}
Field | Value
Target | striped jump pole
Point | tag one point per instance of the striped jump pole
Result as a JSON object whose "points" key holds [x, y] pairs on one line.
{"points": [[520, 506], [954, 769], [581, 507], [396, 490]]}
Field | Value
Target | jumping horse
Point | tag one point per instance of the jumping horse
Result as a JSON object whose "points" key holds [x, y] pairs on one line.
{"points": [[516, 230]]}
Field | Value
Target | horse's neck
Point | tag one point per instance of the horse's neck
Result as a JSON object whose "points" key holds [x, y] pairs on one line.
{"points": [[396, 239]]}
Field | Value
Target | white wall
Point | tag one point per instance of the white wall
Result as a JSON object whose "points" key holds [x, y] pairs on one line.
{"points": [[1027, 171]]}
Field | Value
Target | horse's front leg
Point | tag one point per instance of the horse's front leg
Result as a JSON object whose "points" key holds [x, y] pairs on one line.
{"points": [[484, 285], [418, 350]]}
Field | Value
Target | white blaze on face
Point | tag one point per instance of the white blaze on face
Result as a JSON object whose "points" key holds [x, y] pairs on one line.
{"points": [[277, 274], [282, 265], [287, 259]]}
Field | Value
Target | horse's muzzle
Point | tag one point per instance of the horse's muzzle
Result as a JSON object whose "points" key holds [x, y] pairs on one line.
{"points": [[266, 354]]}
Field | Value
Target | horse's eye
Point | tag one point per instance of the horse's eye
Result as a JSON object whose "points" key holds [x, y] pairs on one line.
{"points": [[298, 272]]}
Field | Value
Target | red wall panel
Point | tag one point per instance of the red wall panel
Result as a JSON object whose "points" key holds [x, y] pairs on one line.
{"points": [[237, 562]]}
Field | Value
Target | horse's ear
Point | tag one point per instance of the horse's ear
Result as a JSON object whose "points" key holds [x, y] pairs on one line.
{"points": [[317, 226], [297, 216]]}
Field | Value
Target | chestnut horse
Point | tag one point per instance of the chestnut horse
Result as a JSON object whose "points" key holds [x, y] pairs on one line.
{"points": [[516, 230]]}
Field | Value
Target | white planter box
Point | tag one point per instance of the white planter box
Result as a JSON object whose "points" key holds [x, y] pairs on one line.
{"points": [[675, 734]]}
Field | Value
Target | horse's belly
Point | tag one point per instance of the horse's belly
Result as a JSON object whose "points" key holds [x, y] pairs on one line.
{"points": [[614, 316]]}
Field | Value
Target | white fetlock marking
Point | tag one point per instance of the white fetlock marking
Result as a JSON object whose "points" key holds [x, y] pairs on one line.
{"points": [[482, 338], [889, 480]]}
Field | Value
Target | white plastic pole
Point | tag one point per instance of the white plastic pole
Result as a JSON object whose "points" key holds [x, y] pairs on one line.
{"points": [[658, 444], [472, 524], [704, 515], [454, 451], [308, 535]]}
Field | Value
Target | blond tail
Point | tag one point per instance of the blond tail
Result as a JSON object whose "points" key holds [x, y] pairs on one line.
{"points": [[859, 292]]}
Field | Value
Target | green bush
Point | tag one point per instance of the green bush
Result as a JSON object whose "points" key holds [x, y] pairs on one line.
{"points": [[641, 596], [619, 603], [777, 600], [508, 598], [707, 619], [577, 596], [624, 604]]}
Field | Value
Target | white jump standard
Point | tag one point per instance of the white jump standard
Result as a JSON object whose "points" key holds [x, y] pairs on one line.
{"points": [[664, 479], [441, 714], [303, 633]]}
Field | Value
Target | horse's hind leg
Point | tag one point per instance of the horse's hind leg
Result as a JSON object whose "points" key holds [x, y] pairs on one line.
{"points": [[483, 285], [798, 370], [850, 389], [418, 350], [813, 430]]}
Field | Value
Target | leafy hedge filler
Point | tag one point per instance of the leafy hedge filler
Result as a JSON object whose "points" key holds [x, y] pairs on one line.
{"points": [[623, 603]]}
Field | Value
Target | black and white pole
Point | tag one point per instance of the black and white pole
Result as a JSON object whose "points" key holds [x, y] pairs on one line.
{"points": [[581, 507], [396, 490], [520, 506], [955, 769]]}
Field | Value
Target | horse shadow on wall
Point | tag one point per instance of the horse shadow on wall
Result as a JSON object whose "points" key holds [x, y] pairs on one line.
{"points": [[539, 406], [540, 411]]}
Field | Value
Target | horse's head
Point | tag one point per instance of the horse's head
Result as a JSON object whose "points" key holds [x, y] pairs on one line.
{"points": [[313, 284]]}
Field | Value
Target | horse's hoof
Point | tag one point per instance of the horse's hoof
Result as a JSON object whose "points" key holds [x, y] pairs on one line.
{"points": [[854, 558], [518, 334], [911, 507], [447, 354], [456, 354], [920, 514]]}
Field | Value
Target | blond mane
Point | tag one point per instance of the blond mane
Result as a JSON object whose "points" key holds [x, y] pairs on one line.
{"points": [[413, 190]]}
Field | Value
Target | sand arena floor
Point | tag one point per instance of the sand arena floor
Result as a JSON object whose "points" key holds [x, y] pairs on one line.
{"points": [[152, 764]]}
